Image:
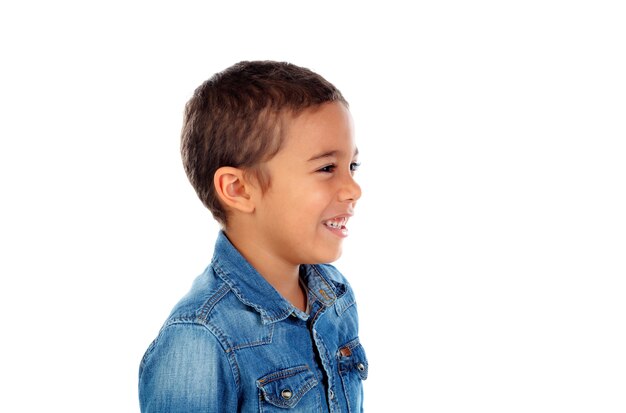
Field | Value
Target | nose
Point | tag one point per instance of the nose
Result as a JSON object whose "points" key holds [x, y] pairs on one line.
{"points": [[350, 190]]}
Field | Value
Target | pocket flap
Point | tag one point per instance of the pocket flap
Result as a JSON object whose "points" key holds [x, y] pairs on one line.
{"points": [[352, 358], [286, 387]]}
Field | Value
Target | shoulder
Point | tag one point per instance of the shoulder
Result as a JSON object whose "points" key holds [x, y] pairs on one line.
{"points": [[205, 293], [213, 307], [179, 340], [189, 338], [186, 369], [186, 332], [190, 366], [188, 324]]}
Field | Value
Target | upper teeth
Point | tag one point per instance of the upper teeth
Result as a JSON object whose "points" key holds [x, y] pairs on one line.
{"points": [[337, 223]]}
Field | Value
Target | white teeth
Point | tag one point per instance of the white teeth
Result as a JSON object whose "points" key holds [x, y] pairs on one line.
{"points": [[339, 223]]}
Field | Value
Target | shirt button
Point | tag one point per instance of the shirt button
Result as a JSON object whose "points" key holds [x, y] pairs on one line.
{"points": [[286, 394], [360, 367], [331, 394]]}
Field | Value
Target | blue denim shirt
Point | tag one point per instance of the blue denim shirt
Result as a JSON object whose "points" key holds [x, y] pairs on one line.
{"points": [[234, 344]]}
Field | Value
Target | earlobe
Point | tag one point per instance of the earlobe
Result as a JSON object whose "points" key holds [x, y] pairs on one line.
{"points": [[232, 189]]}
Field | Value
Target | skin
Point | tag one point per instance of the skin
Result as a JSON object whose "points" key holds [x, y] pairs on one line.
{"points": [[311, 182]]}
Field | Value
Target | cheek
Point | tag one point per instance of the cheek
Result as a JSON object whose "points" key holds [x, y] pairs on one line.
{"points": [[306, 211], [300, 201], [312, 201]]}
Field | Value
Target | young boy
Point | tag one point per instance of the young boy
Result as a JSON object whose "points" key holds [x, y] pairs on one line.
{"points": [[269, 148]]}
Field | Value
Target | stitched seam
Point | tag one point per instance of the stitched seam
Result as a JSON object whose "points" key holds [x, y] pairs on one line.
{"points": [[343, 308], [220, 337], [264, 314], [307, 384], [352, 344], [283, 374], [235, 290], [268, 340], [328, 286], [208, 305]]}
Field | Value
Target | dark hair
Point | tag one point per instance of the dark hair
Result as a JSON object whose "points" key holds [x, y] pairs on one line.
{"points": [[235, 119]]}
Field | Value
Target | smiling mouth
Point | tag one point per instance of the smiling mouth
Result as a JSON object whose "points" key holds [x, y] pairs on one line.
{"points": [[337, 223], [337, 226]]}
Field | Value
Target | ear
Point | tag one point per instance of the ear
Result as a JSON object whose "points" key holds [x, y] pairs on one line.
{"points": [[233, 189]]}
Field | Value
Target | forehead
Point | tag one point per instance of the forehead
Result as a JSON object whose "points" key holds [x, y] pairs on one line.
{"points": [[326, 128]]}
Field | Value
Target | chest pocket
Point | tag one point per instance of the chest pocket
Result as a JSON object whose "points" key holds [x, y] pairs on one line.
{"points": [[289, 389], [353, 369]]}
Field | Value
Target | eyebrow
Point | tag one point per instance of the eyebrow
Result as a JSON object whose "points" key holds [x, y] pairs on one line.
{"points": [[330, 154]]}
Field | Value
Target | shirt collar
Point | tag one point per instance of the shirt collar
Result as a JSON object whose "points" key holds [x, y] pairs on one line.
{"points": [[253, 290]]}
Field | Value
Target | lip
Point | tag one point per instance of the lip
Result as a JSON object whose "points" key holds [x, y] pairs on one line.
{"points": [[339, 232]]}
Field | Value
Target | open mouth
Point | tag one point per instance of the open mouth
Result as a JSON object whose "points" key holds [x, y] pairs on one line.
{"points": [[337, 226]]}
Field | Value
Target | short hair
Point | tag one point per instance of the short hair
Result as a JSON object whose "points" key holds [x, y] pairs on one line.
{"points": [[236, 117]]}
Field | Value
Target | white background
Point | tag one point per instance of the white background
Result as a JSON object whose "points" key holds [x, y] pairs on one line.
{"points": [[488, 250]]}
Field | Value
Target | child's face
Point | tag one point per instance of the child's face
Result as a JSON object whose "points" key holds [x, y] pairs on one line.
{"points": [[303, 215]]}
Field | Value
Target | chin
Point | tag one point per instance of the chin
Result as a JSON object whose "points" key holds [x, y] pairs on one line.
{"points": [[329, 256]]}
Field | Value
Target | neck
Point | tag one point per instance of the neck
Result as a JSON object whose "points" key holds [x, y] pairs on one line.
{"points": [[281, 274]]}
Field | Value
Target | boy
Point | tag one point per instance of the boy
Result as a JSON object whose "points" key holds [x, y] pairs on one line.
{"points": [[269, 149]]}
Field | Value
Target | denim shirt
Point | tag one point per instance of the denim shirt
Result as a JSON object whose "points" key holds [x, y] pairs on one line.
{"points": [[234, 344]]}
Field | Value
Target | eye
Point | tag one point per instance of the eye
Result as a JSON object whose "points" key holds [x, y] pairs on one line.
{"points": [[328, 168], [354, 166]]}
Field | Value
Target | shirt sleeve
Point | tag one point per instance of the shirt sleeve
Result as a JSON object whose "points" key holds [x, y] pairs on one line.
{"points": [[186, 370]]}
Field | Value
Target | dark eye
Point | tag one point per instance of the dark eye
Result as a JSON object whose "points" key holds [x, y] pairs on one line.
{"points": [[327, 168], [354, 166]]}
